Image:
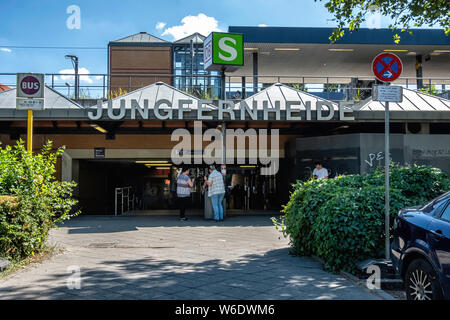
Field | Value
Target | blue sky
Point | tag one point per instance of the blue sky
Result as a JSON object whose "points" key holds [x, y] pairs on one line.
{"points": [[43, 23]]}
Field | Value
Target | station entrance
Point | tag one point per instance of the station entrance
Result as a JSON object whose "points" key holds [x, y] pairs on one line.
{"points": [[148, 187]]}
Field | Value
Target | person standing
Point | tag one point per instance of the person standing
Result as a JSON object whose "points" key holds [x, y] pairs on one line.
{"points": [[216, 191], [320, 172], [184, 185]]}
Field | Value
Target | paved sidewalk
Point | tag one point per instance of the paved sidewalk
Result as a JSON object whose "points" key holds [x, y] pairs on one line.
{"points": [[163, 258]]}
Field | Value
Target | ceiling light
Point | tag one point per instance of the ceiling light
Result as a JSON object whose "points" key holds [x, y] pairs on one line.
{"points": [[441, 51], [250, 48], [151, 161], [247, 166], [395, 50], [286, 49], [98, 128], [162, 168], [338, 50]]}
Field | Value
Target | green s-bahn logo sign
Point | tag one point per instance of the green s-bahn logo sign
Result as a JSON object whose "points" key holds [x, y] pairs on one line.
{"points": [[223, 51]]}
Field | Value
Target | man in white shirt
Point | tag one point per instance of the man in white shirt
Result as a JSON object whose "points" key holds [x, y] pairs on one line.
{"points": [[320, 172]]}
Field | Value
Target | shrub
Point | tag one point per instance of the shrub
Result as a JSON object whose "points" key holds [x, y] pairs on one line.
{"points": [[32, 200], [341, 220]]}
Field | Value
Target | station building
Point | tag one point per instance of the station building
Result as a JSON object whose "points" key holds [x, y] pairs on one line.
{"points": [[287, 74]]}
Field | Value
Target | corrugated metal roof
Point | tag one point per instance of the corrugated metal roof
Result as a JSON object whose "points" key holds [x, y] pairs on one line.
{"points": [[282, 93], [195, 37], [141, 37], [412, 101], [155, 92], [52, 100]]}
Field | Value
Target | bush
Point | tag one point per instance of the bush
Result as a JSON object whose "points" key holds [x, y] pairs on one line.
{"points": [[32, 201], [341, 220]]}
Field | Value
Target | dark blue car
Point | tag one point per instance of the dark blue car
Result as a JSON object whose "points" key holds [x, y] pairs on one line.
{"points": [[421, 249]]}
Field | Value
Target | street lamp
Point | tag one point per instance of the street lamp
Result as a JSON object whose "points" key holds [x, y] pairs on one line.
{"points": [[74, 60]]}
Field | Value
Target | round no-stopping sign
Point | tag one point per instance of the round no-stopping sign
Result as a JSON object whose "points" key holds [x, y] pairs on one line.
{"points": [[30, 85], [387, 67]]}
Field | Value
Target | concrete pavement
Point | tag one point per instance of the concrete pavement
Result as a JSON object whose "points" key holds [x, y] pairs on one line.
{"points": [[164, 258]]}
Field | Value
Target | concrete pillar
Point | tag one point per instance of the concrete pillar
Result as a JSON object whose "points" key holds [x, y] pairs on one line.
{"points": [[255, 72], [419, 71], [66, 167], [76, 176]]}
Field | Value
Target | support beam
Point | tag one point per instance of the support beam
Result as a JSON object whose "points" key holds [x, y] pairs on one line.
{"points": [[255, 72]]}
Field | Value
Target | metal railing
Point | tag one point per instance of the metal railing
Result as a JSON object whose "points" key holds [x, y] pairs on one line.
{"points": [[125, 197], [104, 86]]}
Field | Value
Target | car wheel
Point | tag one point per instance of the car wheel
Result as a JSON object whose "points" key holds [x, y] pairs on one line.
{"points": [[421, 282]]}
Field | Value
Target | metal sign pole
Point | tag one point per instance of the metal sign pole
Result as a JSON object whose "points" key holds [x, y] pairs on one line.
{"points": [[30, 131], [386, 175]]}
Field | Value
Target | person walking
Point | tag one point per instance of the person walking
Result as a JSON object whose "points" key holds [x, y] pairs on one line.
{"points": [[184, 185], [216, 191]]}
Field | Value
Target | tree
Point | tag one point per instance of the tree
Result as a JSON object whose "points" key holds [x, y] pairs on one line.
{"points": [[404, 13]]}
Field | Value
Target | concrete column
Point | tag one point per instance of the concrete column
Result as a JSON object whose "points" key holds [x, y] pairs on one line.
{"points": [[255, 72], [66, 167], [419, 71], [76, 176]]}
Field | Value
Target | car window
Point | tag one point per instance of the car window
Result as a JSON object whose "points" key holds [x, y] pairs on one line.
{"points": [[435, 203], [437, 208], [446, 213]]}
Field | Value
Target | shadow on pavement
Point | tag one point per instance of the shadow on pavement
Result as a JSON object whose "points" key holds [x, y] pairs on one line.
{"points": [[274, 275]]}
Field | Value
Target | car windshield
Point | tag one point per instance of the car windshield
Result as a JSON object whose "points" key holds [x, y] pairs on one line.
{"points": [[435, 202]]}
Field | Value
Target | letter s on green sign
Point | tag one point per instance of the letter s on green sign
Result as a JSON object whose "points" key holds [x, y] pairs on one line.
{"points": [[227, 48]]}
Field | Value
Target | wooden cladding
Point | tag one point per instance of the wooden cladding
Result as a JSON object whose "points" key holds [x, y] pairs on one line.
{"points": [[137, 62]]}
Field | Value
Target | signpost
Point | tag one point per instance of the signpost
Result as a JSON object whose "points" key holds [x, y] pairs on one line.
{"points": [[387, 67], [30, 96]]}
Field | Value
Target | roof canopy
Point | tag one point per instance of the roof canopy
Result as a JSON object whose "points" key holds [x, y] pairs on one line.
{"points": [[156, 92], [298, 52], [281, 93], [196, 38], [52, 100], [141, 38], [412, 101], [416, 106]]}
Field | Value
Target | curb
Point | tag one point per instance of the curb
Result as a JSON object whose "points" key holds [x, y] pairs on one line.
{"points": [[378, 292]]}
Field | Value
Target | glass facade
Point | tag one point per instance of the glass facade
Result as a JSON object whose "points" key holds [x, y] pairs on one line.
{"points": [[190, 75]]}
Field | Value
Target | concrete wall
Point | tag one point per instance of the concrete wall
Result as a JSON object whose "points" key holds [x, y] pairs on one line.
{"points": [[428, 149]]}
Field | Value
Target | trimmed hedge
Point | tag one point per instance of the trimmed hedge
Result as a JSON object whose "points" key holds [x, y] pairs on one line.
{"points": [[32, 201], [341, 220]]}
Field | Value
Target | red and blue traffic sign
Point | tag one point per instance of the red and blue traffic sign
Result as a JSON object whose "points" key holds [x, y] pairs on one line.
{"points": [[387, 67]]}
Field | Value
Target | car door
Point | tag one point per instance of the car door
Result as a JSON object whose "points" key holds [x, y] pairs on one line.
{"points": [[439, 235]]}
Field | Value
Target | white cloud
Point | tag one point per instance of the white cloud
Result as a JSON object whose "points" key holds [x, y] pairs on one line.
{"points": [[200, 23], [83, 72], [6, 50], [160, 25], [262, 25]]}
